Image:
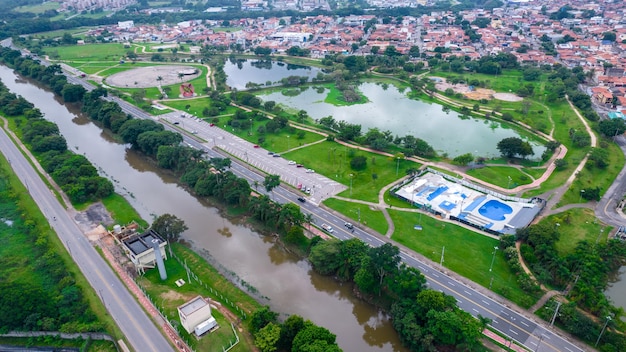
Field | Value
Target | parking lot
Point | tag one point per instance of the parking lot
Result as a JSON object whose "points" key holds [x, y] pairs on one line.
{"points": [[289, 171]]}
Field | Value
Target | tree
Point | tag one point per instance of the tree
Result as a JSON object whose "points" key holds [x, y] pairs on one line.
{"points": [[288, 331], [511, 146], [464, 159], [169, 226], [385, 260], [262, 317], [267, 338], [358, 163], [326, 257], [610, 36], [271, 182], [73, 92], [612, 127], [309, 335]]}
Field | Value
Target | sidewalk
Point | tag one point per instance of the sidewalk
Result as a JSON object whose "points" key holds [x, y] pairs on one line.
{"points": [[145, 303], [509, 345]]}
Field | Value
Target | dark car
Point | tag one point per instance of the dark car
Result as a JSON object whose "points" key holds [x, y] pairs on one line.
{"points": [[270, 153], [177, 123], [256, 146], [349, 225], [302, 200], [299, 165], [276, 155]]}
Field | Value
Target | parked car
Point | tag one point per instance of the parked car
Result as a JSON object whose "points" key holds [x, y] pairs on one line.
{"points": [[256, 146], [270, 153], [302, 200], [211, 124], [299, 165], [292, 162], [310, 171], [177, 123], [276, 155], [194, 132], [308, 190]]}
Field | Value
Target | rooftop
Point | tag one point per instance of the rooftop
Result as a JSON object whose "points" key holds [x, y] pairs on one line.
{"points": [[192, 306]]}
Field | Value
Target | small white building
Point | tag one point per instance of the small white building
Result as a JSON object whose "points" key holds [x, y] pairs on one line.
{"points": [[125, 24], [194, 313]]}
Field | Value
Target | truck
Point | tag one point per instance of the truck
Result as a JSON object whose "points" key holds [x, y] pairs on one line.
{"points": [[327, 228]]}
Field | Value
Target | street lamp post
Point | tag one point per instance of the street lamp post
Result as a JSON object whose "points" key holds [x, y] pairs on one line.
{"points": [[443, 250], [351, 176], [608, 318], [397, 165], [599, 235], [580, 198], [509, 184], [495, 249], [287, 142]]}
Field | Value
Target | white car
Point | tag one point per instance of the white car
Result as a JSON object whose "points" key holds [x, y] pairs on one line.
{"points": [[292, 162], [310, 171]]}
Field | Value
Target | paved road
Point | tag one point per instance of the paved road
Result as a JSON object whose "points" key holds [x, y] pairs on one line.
{"points": [[536, 336], [140, 331]]}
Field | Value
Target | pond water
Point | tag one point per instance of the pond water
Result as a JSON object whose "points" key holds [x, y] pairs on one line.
{"points": [[240, 72], [390, 109]]}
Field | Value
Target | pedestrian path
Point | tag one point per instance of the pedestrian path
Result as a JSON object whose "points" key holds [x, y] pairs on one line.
{"points": [[144, 301], [509, 344]]}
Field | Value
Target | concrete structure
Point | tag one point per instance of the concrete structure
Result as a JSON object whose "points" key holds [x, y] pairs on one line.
{"points": [[194, 313], [138, 247]]}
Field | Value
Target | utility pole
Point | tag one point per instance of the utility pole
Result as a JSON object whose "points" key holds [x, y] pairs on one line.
{"points": [[443, 250], [608, 319], [556, 311]]}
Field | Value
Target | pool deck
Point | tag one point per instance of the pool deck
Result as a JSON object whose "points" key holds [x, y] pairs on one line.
{"points": [[450, 198]]}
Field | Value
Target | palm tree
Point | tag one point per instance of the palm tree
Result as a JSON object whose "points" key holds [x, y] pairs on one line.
{"points": [[159, 79], [180, 76]]}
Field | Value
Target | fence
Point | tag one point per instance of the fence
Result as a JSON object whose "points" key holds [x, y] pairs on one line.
{"points": [[192, 275]]}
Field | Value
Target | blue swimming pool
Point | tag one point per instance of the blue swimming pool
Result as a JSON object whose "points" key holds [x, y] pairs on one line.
{"points": [[495, 210]]}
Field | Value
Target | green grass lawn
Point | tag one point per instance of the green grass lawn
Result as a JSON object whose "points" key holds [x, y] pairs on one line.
{"points": [[333, 161], [509, 80], [467, 253], [360, 214], [121, 211], [577, 225], [96, 52], [59, 33], [505, 177], [590, 177], [39, 8], [196, 106]]}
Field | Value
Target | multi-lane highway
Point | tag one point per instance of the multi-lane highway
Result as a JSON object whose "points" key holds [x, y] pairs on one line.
{"points": [[139, 330], [518, 326]]}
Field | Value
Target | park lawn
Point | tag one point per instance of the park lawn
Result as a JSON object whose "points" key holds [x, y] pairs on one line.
{"points": [[396, 202], [332, 160], [167, 297], [280, 142], [508, 80], [39, 8], [122, 212], [335, 96], [535, 172], [59, 32], [467, 253], [564, 119], [90, 68], [226, 29], [576, 225], [591, 177], [91, 52], [503, 176], [196, 106], [360, 214]]}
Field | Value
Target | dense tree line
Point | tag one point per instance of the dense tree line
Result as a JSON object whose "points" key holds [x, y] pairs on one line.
{"points": [[584, 274], [45, 296], [73, 173], [426, 320]]}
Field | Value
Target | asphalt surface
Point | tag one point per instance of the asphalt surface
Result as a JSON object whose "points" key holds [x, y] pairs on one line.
{"points": [[140, 331], [517, 326]]}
